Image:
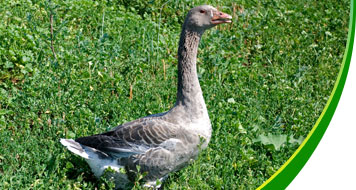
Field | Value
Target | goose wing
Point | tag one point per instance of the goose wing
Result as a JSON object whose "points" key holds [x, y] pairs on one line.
{"points": [[131, 138]]}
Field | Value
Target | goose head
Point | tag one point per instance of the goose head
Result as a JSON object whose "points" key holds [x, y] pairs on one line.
{"points": [[205, 16]]}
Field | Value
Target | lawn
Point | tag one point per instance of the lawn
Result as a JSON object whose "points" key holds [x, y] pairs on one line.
{"points": [[266, 78]]}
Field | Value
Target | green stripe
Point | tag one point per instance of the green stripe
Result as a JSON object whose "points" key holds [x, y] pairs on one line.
{"points": [[284, 176]]}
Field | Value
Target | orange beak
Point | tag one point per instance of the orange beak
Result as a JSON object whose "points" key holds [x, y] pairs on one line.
{"points": [[220, 17]]}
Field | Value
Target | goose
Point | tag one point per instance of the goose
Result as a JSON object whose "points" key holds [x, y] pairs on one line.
{"points": [[161, 143]]}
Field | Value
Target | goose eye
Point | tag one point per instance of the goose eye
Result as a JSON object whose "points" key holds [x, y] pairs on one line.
{"points": [[202, 11]]}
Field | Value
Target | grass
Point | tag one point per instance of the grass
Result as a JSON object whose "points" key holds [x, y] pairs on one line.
{"points": [[265, 78]]}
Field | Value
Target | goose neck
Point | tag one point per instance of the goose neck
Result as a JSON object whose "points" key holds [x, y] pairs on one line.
{"points": [[189, 92]]}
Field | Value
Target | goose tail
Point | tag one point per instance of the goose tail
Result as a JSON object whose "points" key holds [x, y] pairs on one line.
{"points": [[75, 147]]}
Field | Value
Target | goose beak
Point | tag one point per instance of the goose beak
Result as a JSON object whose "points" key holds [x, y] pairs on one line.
{"points": [[220, 17]]}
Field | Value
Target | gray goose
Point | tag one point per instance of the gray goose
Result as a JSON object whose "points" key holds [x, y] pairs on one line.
{"points": [[164, 142]]}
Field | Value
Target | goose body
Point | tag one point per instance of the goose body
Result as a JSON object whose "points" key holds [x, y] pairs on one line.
{"points": [[165, 142]]}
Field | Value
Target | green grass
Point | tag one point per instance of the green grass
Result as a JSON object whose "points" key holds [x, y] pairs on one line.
{"points": [[265, 78]]}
